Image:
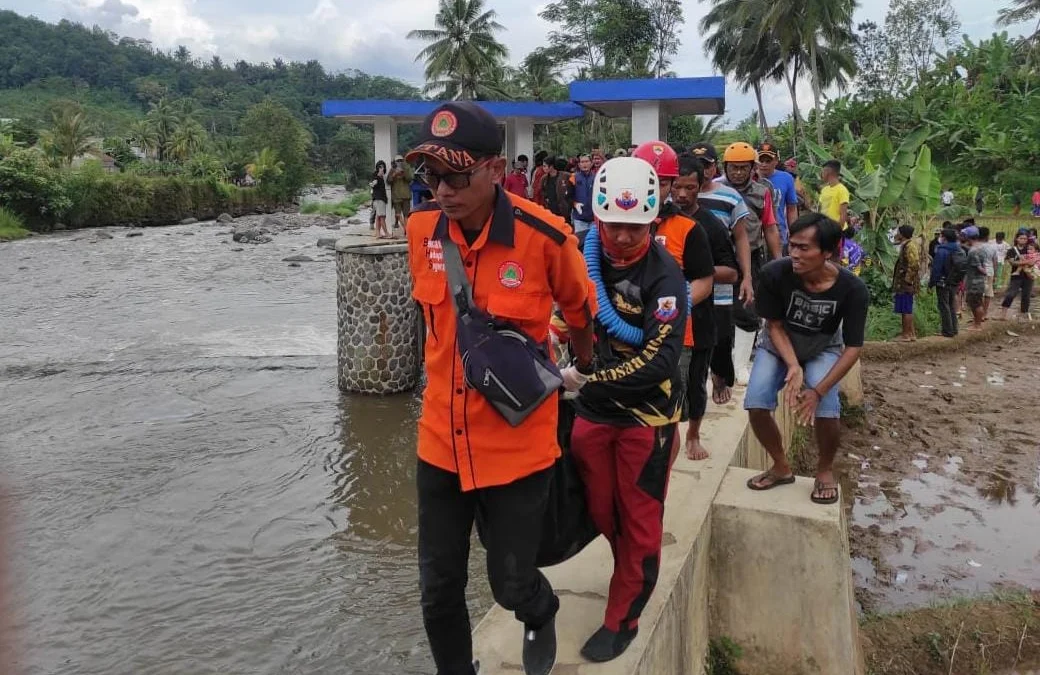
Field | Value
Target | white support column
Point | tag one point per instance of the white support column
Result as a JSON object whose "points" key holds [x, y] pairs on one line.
{"points": [[510, 148], [385, 139], [646, 120], [525, 139]]}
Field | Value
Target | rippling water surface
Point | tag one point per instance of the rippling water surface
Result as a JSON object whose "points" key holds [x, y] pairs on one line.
{"points": [[192, 494]]}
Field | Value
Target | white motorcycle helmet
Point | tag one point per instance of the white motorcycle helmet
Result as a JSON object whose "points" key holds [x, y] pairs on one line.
{"points": [[625, 191]]}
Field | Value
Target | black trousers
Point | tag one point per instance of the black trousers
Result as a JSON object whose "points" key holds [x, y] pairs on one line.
{"points": [[745, 317], [946, 298], [697, 382], [1019, 284], [722, 356], [509, 523]]}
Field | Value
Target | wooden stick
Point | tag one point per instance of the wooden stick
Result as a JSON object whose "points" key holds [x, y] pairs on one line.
{"points": [[1022, 639], [956, 642]]}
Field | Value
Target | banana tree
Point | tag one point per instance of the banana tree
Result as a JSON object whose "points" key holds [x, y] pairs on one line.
{"points": [[890, 188]]}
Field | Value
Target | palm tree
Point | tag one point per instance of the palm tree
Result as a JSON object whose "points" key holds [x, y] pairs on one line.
{"points": [[737, 51], [188, 139], [1019, 11], [69, 137], [539, 76], [164, 120], [142, 134], [265, 166], [817, 33], [463, 52]]}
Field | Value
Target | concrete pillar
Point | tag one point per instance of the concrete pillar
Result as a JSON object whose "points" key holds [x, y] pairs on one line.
{"points": [[378, 345], [385, 139], [525, 139], [781, 580], [646, 120], [510, 145]]}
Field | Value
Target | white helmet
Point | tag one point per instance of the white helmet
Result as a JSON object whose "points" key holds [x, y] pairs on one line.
{"points": [[626, 191]]}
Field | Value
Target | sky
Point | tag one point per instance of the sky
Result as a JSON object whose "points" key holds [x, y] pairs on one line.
{"points": [[370, 36]]}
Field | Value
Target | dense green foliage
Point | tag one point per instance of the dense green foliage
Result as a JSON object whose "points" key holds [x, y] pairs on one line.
{"points": [[344, 209], [11, 226], [118, 80]]}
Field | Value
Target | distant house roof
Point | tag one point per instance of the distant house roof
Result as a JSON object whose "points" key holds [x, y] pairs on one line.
{"points": [[677, 95], [416, 111]]}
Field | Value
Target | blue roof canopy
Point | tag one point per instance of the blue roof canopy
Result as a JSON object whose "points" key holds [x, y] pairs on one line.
{"points": [[405, 111], [677, 95]]}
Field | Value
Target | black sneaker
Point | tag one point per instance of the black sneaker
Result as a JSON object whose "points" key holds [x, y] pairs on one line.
{"points": [[606, 645], [540, 649]]}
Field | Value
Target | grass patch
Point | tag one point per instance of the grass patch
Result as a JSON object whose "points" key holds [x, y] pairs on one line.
{"points": [[722, 653], [11, 226], [344, 209], [884, 325], [994, 634]]}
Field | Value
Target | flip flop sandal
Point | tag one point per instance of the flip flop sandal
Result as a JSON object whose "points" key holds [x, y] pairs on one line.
{"points": [[777, 480], [820, 486]]}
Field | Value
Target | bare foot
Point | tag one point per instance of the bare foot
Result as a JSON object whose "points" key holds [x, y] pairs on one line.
{"points": [[696, 451], [720, 393]]}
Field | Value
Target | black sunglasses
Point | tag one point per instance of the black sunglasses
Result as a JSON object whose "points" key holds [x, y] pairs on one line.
{"points": [[456, 180]]}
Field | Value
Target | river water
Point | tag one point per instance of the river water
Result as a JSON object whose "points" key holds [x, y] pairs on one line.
{"points": [[192, 493]]}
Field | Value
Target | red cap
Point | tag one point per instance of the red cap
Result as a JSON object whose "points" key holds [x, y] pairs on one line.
{"points": [[659, 155]]}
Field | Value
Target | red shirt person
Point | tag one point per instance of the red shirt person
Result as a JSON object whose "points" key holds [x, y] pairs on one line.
{"points": [[516, 182]]}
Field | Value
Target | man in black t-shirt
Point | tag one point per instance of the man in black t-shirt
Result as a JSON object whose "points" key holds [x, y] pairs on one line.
{"points": [[685, 189], [816, 315]]}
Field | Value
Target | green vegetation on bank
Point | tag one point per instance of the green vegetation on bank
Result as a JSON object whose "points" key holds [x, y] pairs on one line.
{"points": [[11, 226], [344, 209]]}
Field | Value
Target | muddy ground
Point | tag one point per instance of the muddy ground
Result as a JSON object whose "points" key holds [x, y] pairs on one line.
{"points": [[942, 473]]}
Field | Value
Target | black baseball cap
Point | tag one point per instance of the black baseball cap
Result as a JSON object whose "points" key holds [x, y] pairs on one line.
{"points": [[705, 151], [769, 150], [460, 134]]}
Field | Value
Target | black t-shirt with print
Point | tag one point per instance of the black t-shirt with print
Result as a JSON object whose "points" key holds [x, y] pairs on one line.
{"points": [[722, 255], [812, 320]]}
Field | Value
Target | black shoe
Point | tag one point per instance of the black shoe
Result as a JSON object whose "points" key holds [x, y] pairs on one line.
{"points": [[540, 649], [606, 645]]}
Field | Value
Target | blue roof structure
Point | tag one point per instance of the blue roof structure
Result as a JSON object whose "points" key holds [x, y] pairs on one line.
{"points": [[614, 98], [403, 111], [677, 95]]}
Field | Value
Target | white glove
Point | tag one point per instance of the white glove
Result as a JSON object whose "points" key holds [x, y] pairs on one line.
{"points": [[572, 379]]}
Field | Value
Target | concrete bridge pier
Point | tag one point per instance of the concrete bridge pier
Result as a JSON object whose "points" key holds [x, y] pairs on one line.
{"points": [[378, 346]]}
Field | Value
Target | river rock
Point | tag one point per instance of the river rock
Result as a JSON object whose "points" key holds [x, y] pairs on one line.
{"points": [[353, 221], [224, 218], [58, 227], [101, 234], [134, 234], [333, 227], [298, 259], [189, 221], [273, 223], [250, 234], [327, 242], [294, 264], [237, 250], [187, 234]]}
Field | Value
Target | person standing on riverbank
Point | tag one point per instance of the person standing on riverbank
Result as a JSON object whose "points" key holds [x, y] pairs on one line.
{"points": [[944, 279], [513, 261], [379, 199], [816, 315], [400, 180], [906, 280], [628, 409]]}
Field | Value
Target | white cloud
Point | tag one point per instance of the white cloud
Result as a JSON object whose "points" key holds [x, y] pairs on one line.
{"points": [[370, 37]]}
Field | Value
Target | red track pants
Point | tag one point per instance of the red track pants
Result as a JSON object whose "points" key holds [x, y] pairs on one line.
{"points": [[625, 470]]}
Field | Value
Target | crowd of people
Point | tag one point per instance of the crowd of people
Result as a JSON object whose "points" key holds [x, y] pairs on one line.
{"points": [[640, 267]]}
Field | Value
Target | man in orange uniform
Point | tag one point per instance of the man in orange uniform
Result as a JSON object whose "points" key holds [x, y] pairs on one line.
{"points": [[690, 247], [519, 260]]}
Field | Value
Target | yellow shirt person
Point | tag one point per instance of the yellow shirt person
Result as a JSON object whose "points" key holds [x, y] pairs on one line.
{"points": [[831, 199]]}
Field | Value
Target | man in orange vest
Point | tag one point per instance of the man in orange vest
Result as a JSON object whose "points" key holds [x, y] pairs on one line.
{"points": [[475, 464], [690, 247]]}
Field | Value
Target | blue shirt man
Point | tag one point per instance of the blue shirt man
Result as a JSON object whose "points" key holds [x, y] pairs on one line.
{"points": [[785, 197]]}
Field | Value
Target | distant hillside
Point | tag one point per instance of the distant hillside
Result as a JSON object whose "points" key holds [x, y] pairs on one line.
{"points": [[116, 79]]}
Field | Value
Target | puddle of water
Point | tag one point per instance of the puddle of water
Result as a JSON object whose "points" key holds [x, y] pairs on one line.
{"points": [[942, 538]]}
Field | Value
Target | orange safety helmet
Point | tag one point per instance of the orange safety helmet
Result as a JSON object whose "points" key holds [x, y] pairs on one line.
{"points": [[740, 152], [659, 155]]}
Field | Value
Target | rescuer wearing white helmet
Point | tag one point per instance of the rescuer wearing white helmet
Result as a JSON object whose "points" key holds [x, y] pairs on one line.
{"points": [[628, 409]]}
